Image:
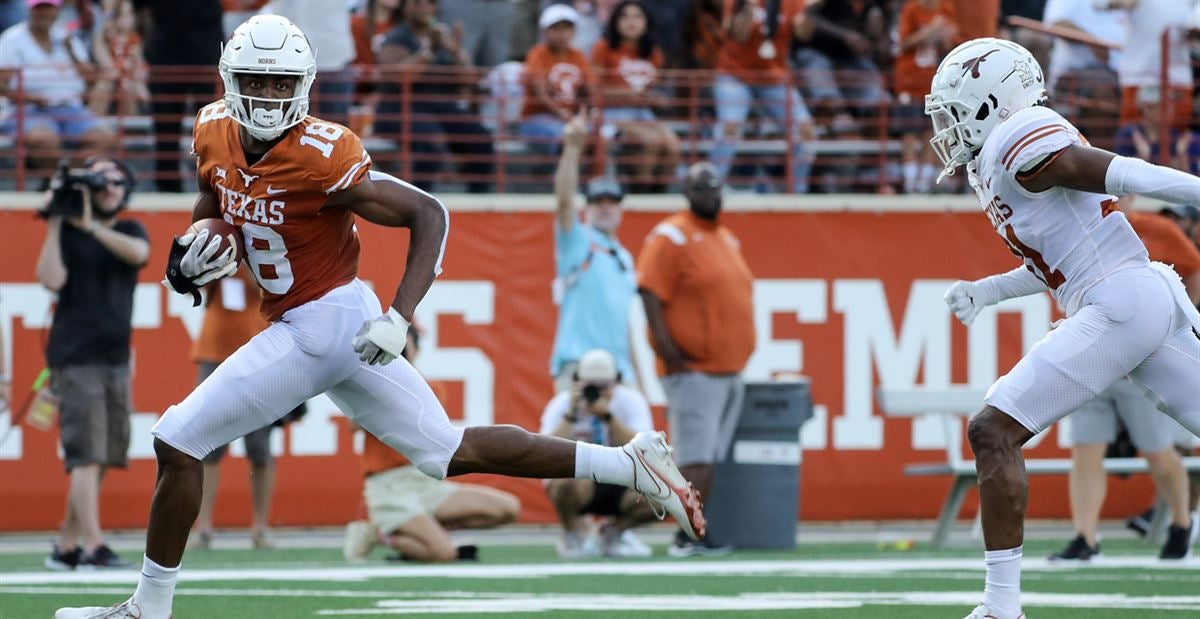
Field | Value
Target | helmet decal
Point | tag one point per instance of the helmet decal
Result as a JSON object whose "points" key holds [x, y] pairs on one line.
{"points": [[972, 64]]}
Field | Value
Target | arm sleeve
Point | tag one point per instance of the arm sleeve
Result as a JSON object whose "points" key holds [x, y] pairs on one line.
{"points": [[657, 265], [1128, 175], [1019, 282]]}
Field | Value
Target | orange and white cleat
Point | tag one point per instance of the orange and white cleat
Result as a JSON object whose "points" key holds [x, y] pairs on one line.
{"points": [[657, 478]]}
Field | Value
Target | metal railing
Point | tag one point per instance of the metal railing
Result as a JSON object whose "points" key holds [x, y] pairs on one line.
{"points": [[461, 130]]}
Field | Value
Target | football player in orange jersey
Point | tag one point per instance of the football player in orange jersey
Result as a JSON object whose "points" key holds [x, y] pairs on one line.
{"points": [[293, 185]]}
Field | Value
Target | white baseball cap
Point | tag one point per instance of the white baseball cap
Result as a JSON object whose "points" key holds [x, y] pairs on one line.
{"points": [[558, 13], [596, 365]]}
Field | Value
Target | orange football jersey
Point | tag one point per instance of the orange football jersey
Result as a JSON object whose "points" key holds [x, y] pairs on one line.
{"points": [[296, 250]]}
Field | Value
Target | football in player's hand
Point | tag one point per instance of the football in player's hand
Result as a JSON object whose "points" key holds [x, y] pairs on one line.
{"points": [[227, 232]]}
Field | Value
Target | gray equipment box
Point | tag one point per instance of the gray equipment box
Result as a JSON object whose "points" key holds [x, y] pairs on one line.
{"points": [[756, 489]]}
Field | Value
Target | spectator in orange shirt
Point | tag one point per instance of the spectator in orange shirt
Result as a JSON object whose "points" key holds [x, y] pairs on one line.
{"points": [[231, 318], [752, 69], [410, 512], [628, 60], [698, 294], [558, 80], [927, 31]]}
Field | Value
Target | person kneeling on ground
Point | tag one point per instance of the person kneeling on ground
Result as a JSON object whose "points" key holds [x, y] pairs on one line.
{"points": [[597, 409], [411, 512]]}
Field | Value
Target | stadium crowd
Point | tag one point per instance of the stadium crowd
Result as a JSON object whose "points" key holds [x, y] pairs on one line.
{"points": [[446, 85]]}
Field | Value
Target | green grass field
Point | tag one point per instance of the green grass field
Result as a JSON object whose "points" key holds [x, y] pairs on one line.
{"points": [[847, 580]]}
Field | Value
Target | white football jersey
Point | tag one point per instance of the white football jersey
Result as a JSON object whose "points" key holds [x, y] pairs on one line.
{"points": [[1069, 239]]}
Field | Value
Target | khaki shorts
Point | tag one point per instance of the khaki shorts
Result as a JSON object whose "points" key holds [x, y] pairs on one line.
{"points": [[93, 418], [702, 414], [398, 495], [1150, 431]]}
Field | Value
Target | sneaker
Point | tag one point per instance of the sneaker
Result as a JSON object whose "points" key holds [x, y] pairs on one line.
{"points": [[125, 610], [1140, 523], [1077, 550], [573, 545], [624, 544], [360, 539], [982, 612], [683, 546], [103, 558], [60, 561], [657, 478], [1178, 545]]}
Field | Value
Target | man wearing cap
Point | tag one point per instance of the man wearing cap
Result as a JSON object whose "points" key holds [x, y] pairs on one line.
{"points": [[596, 408], [698, 295], [594, 275], [53, 65]]}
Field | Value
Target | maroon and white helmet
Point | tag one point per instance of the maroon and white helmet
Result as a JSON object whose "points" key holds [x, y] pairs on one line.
{"points": [[979, 84]]}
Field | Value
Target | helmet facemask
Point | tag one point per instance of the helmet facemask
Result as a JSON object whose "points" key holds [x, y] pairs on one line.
{"points": [[266, 118], [951, 140]]}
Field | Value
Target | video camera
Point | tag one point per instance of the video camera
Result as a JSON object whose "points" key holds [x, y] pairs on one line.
{"points": [[67, 187]]}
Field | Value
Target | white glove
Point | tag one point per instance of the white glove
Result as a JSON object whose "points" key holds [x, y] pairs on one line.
{"points": [[382, 339], [201, 263], [966, 300]]}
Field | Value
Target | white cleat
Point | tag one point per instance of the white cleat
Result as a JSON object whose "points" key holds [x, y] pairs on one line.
{"points": [[360, 538], [124, 610], [657, 478], [982, 612]]}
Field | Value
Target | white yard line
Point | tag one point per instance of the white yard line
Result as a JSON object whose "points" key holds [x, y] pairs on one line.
{"points": [[529, 603], [445, 602], [548, 570]]}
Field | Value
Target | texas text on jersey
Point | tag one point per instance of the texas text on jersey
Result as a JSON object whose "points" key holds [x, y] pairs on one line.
{"points": [[1069, 239], [297, 250]]}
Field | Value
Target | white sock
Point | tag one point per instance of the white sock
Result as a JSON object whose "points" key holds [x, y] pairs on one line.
{"points": [[1002, 590], [607, 465], [156, 589]]}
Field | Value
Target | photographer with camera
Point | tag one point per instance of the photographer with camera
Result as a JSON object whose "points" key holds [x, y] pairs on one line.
{"points": [[596, 408], [90, 258]]}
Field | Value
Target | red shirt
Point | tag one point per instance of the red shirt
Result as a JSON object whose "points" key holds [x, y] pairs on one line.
{"points": [[915, 67], [623, 68]]}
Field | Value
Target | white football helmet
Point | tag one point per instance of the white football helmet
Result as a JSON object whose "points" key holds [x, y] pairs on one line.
{"points": [[267, 45], [979, 84]]}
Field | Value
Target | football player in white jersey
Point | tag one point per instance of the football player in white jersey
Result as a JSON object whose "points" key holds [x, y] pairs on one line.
{"points": [[1051, 198], [307, 183]]}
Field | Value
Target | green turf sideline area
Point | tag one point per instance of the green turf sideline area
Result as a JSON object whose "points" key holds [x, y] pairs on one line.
{"points": [[841, 580]]}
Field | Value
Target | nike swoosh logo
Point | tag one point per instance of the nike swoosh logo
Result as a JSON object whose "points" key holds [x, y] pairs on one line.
{"points": [[271, 191]]}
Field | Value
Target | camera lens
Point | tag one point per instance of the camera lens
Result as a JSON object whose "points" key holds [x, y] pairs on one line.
{"points": [[590, 393]]}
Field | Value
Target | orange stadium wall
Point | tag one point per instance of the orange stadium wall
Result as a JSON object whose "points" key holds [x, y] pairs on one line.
{"points": [[853, 300]]}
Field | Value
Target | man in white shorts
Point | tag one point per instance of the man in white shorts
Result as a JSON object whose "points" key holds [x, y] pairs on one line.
{"points": [[293, 185], [1093, 428], [1051, 198]]}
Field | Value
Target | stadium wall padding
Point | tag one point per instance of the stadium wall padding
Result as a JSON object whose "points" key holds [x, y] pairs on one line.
{"points": [[850, 299]]}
